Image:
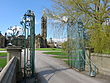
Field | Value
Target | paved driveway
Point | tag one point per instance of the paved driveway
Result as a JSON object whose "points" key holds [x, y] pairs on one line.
{"points": [[3, 51], [52, 70]]}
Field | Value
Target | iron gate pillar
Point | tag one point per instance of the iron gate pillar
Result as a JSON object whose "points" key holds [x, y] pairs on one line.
{"points": [[28, 23], [14, 51]]}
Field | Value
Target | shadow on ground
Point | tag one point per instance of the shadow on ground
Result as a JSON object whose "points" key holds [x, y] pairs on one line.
{"points": [[47, 73]]}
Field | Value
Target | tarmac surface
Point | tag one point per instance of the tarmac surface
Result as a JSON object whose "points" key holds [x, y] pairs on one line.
{"points": [[52, 70]]}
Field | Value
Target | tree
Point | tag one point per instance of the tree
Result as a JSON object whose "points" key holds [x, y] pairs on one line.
{"points": [[93, 14], [94, 10], [65, 46]]}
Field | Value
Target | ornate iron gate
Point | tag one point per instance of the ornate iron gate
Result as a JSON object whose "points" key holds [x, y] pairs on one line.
{"points": [[77, 55], [28, 23], [76, 49]]}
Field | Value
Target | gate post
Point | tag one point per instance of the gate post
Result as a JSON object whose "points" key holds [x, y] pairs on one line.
{"points": [[28, 23], [15, 51]]}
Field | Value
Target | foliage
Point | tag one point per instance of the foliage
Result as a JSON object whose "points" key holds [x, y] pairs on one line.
{"points": [[68, 45], [100, 39], [93, 14], [91, 10], [65, 46], [14, 31]]}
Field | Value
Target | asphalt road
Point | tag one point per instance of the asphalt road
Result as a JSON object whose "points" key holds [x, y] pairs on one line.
{"points": [[52, 70]]}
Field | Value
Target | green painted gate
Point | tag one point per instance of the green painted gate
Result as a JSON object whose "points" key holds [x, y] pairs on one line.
{"points": [[78, 55], [76, 49], [28, 23]]}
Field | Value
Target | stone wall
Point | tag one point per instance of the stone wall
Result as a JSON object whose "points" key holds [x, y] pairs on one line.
{"points": [[9, 72], [102, 61]]}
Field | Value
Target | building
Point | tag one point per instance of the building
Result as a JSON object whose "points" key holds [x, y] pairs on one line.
{"points": [[51, 43], [2, 41], [41, 39]]}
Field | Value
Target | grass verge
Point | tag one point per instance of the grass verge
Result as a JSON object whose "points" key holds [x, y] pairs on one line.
{"points": [[56, 53], [3, 54], [3, 62], [1, 49], [61, 55], [48, 49]]}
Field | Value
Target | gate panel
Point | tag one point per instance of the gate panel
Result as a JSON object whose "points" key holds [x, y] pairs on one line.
{"points": [[76, 50]]}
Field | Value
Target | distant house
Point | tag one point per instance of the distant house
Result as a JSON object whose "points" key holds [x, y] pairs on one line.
{"points": [[2, 41], [19, 41], [50, 43], [40, 42], [54, 44]]}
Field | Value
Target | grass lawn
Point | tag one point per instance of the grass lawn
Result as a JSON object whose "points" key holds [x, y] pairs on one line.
{"points": [[2, 49], [3, 54], [3, 62], [61, 55], [48, 49], [55, 53], [106, 52]]}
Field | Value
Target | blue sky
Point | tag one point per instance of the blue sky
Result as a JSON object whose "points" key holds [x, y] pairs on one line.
{"points": [[11, 12]]}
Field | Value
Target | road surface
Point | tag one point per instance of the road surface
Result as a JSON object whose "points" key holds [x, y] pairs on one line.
{"points": [[52, 70]]}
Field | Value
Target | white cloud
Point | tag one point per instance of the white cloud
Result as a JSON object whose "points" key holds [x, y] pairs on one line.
{"points": [[59, 39]]}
